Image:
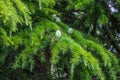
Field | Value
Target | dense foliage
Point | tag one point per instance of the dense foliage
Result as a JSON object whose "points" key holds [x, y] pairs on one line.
{"points": [[58, 40]]}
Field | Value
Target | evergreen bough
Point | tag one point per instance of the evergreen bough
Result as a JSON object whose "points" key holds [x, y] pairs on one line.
{"points": [[72, 56]]}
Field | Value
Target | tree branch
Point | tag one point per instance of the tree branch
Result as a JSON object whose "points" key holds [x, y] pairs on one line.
{"points": [[112, 38]]}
